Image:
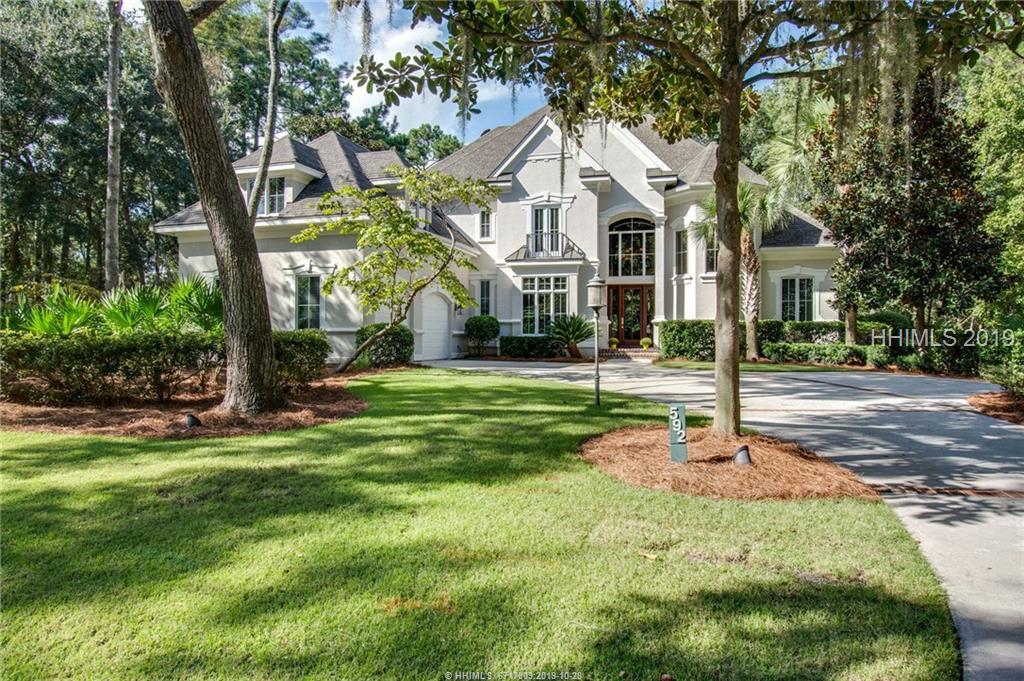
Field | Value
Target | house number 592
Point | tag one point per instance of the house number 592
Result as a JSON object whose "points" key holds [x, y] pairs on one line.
{"points": [[677, 432]]}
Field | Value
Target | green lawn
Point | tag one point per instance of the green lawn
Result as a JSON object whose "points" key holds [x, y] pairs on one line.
{"points": [[751, 366], [450, 527]]}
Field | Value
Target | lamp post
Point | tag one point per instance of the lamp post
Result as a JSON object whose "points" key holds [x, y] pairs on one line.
{"points": [[595, 301]]}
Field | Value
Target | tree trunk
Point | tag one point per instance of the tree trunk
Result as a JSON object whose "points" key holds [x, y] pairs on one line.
{"points": [[111, 274], [252, 384], [727, 272], [851, 325], [275, 13], [751, 293]]}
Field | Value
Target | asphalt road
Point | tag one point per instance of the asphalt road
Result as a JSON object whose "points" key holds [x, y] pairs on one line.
{"points": [[895, 430]]}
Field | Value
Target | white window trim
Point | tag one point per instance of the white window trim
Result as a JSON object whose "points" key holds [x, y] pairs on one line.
{"points": [[265, 198], [320, 306], [479, 292], [799, 271], [654, 231], [307, 269], [479, 226], [547, 200], [569, 306]]}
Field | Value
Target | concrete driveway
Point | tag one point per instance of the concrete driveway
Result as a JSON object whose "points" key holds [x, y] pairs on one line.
{"points": [[892, 430]]}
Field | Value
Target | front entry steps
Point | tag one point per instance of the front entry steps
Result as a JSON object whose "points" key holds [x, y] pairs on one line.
{"points": [[633, 354]]}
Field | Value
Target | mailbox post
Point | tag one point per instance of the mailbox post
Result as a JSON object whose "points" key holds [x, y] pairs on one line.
{"points": [[677, 432]]}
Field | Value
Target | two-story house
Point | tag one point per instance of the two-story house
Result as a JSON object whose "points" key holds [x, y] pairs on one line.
{"points": [[621, 203]]}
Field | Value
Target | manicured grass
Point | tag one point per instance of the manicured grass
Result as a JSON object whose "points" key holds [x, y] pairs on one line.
{"points": [[751, 366], [449, 527]]}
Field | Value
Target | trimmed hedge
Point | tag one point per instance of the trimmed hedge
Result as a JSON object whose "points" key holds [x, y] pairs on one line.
{"points": [[694, 339], [530, 347], [819, 353], [829, 332], [300, 355], [395, 347], [93, 367]]}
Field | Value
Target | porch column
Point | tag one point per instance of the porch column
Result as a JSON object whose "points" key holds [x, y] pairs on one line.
{"points": [[662, 266]]}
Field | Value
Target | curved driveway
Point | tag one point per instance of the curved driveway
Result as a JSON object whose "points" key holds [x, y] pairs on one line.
{"points": [[892, 430]]}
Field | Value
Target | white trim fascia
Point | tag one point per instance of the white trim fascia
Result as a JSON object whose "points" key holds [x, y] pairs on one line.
{"points": [[633, 143], [687, 192], [786, 251], [250, 171], [260, 223], [385, 181], [817, 277], [545, 263], [584, 159]]}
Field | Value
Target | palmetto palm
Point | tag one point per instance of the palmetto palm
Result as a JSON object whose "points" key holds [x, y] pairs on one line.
{"points": [[761, 211]]}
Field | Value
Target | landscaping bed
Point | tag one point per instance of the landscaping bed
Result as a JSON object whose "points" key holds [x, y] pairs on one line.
{"points": [[319, 402], [778, 470], [1001, 405]]}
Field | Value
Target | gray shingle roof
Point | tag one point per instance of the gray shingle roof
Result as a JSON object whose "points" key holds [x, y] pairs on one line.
{"points": [[286, 150], [480, 158], [343, 162], [802, 230], [444, 228]]}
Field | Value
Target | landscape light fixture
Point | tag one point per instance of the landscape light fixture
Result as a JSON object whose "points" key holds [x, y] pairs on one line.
{"points": [[595, 301], [742, 456]]}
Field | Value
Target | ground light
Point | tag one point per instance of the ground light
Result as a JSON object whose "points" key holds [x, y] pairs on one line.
{"points": [[595, 301]]}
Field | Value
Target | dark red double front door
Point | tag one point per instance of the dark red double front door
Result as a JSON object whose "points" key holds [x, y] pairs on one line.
{"points": [[630, 311]]}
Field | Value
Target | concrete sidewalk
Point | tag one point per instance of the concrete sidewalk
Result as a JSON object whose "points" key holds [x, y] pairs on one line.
{"points": [[894, 430]]}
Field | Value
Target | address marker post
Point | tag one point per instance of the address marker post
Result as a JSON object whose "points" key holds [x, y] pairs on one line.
{"points": [[677, 432]]}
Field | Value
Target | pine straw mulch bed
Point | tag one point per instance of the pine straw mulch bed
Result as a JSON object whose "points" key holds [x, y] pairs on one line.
{"points": [[1000, 405], [322, 401], [779, 470]]}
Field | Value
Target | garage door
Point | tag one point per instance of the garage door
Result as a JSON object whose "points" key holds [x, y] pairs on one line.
{"points": [[436, 333]]}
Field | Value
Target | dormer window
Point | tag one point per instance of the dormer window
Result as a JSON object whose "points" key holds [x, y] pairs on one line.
{"points": [[272, 201]]}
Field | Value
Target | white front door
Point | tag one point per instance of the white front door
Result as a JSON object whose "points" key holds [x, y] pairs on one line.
{"points": [[436, 330]]}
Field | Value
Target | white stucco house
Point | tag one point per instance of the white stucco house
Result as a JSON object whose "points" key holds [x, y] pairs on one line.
{"points": [[621, 204]]}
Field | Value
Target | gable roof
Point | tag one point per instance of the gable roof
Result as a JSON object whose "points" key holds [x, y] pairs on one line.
{"points": [[692, 161], [343, 162], [802, 230]]}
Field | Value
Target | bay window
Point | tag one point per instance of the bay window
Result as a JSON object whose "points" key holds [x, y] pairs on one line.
{"points": [[544, 300]]}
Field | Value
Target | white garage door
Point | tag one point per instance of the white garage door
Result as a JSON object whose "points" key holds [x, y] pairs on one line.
{"points": [[436, 333]]}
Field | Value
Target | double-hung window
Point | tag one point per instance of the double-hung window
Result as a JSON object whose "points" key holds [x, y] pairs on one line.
{"points": [[307, 303], [682, 238], [711, 254], [798, 299], [484, 303], [485, 224], [544, 300], [272, 199]]}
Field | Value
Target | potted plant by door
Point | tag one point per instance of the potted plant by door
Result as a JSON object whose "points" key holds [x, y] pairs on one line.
{"points": [[646, 343], [613, 343]]}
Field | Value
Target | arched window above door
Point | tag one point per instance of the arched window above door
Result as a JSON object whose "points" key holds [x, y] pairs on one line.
{"points": [[631, 248]]}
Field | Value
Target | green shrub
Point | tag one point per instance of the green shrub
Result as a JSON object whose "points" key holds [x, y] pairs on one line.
{"points": [[692, 339], [820, 353], [570, 331], [300, 355], [911, 362], [395, 347], [481, 330], [830, 332], [93, 367], [893, 319], [878, 355], [1007, 365], [768, 331], [955, 352], [530, 347]]}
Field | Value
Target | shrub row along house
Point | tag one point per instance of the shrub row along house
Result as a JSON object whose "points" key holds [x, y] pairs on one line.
{"points": [[622, 203]]}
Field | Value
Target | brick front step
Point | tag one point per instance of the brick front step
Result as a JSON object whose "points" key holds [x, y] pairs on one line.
{"points": [[631, 353]]}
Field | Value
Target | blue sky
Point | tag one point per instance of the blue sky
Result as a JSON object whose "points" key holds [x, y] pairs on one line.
{"points": [[346, 46]]}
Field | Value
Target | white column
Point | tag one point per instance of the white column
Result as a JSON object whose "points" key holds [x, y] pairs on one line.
{"points": [[662, 267]]}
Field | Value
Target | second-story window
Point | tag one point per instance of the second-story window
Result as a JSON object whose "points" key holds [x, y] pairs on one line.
{"points": [[485, 224], [272, 200], [631, 248], [545, 230], [275, 195]]}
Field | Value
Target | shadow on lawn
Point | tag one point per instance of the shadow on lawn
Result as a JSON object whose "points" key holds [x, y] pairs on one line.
{"points": [[75, 542]]}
